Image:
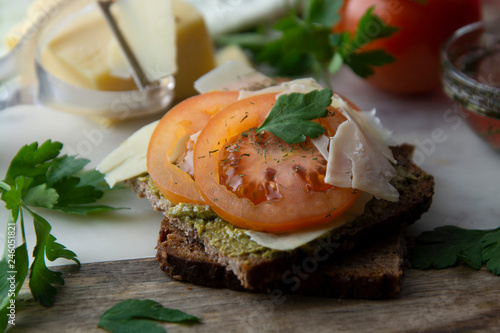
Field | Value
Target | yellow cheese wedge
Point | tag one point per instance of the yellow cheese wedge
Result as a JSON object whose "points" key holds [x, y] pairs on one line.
{"points": [[231, 53], [150, 32], [195, 52]]}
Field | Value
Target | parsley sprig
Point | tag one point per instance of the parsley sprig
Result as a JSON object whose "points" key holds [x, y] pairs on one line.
{"points": [[39, 177], [306, 44], [449, 246], [133, 315], [291, 117]]}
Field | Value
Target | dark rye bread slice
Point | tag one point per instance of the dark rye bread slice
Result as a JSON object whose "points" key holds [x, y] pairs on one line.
{"points": [[374, 271], [379, 220]]}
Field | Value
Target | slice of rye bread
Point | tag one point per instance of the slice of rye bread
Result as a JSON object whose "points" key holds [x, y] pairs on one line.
{"points": [[374, 271], [381, 219]]}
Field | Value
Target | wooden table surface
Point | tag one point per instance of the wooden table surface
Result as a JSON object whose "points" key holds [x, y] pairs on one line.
{"points": [[450, 300]]}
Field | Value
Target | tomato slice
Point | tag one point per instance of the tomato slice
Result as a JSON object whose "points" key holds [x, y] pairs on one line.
{"points": [[183, 120], [259, 182]]}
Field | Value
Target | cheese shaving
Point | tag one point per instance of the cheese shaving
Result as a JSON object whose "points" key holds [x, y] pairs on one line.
{"points": [[359, 158]]}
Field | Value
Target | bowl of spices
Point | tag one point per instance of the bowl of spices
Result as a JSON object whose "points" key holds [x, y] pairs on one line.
{"points": [[471, 77]]}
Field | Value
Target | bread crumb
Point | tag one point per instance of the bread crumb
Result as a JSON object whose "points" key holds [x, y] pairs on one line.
{"points": [[188, 288], [177, 277]]}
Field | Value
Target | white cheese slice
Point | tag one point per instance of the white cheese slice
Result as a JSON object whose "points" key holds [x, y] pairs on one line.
{"points": [[321, 143], [141, 23], [292, 240], [372, 134], [231, 75], [180, 147], [354, 161], [129, 159], [299, 86], [374, 122]]}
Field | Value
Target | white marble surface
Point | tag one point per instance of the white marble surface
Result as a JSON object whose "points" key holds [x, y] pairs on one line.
{"points": [[466, 170]]}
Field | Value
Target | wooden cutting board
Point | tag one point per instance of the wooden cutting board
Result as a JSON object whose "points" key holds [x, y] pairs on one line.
{"points": [[450, 300]]}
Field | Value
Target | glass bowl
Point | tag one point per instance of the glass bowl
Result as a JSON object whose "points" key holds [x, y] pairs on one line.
{"points": [[471, 77]]}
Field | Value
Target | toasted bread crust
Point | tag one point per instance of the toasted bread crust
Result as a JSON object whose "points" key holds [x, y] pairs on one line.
{"points": [[372, 272], [195, 260]]}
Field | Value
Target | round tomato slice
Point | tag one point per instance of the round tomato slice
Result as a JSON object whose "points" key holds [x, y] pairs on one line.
{"points": [[171, 141], [259, 182]]}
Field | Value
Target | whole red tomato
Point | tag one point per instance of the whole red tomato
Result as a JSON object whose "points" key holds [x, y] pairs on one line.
{"points": [[423, 27]]}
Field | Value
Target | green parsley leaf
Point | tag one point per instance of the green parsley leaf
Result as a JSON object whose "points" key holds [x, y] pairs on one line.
{"points": [[299, 45], [64, 167], [362, 63], [290, 118], [39, 177], [132, 315], [12, 197], [33, 161], [449, 246], [71, 193], [93, 178], [323, 12], [370, 28], [41, 196], [42, 279]]}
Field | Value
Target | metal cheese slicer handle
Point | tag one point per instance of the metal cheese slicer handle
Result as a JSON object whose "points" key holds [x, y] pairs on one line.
{"points": [[135, 67]]}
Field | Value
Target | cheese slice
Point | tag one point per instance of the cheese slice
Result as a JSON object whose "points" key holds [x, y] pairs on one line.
{"points": [[372, 134], [150, 32], [292, 240], [195, 50], [231, 75], [130, 158], [356, 161]]}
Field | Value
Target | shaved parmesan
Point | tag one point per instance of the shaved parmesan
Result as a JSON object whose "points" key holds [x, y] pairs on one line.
{"points": [[321, 143], [364, 125], [231, 75], [356, 159], [302, 86]]}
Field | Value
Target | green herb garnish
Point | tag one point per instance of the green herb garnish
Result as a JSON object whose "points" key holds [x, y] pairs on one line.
{"points": [[291, 117], [449, 246], [301, 44], [370, 28], [134, 315], [39, 177]]}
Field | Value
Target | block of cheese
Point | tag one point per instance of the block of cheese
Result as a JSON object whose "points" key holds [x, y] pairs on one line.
{"points": [[231, 53], [79, 55], [150, 32], [96, 61], [195, 51]]}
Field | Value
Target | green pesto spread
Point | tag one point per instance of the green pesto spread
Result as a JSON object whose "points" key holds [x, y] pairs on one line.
{"points": [[227, 238]]}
